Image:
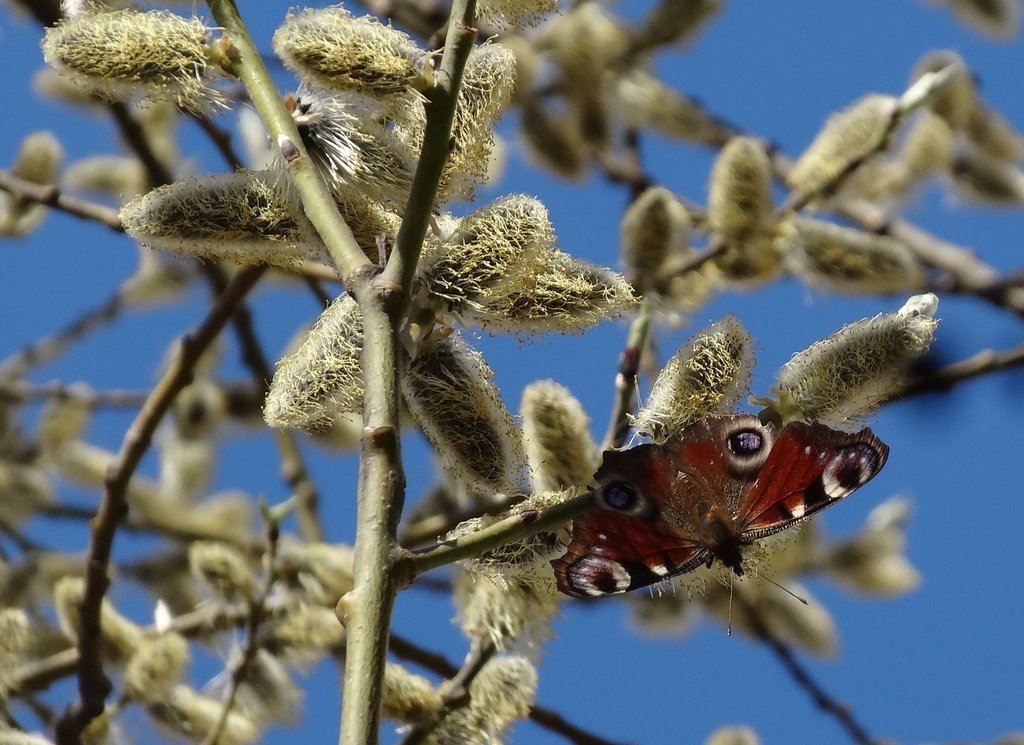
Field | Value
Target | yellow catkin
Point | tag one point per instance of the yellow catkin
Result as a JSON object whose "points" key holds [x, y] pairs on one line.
{"points": [[513, 14], [120, 52], [848, 374], [846, 139], [338, 51], [999, 19], [850, 260], [450, 391], [645, 102], [241, 217], [671, 22], [740, 198], [559, 448], [322, 377], [706, 375]]}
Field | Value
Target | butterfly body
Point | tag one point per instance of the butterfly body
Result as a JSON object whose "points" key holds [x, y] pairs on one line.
{"points": [[706, 494]]}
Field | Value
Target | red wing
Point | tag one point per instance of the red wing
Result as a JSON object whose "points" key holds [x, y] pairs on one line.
{"points": [[810, 466], [612, 553]]}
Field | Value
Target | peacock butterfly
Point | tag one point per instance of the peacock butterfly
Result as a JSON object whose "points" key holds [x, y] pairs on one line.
{"points": [[703, 495]]}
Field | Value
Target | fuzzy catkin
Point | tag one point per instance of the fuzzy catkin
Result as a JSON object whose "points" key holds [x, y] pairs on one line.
{"points": [[559, 448], [119, 52], [847, 137], [338, 51], [706, 375], [848, 374], [242, 217], [322, 378], [567, 295], [450, 391], [850, 260], [740, 197]]}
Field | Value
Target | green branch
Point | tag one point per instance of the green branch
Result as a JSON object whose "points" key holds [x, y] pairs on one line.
{"points": [[317, 201], [522, 524], [381, 478]]}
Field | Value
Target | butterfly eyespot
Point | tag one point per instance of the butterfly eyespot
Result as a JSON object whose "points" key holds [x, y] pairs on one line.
{"points": [[851, 468], [745, 443], [620, 496], [596, 576]]}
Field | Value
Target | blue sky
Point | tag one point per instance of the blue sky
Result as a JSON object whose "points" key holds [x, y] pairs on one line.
{"points": [[940, 664]]}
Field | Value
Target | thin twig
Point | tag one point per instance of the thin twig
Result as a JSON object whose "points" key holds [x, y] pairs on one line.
{"points": [[20, 391], [625, 379], [93, 685], [455, 693], [257, 614], [52, 196], [984, 362], [521, 524], [220, 138], [822, 699], [549, 719], [293, 467]]}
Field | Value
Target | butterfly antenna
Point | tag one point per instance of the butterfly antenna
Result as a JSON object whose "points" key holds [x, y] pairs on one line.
{"points": [[728, 628], [786, 590]]}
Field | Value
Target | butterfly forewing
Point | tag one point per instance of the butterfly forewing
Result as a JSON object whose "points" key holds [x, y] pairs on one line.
{"points": [[810, 467]]}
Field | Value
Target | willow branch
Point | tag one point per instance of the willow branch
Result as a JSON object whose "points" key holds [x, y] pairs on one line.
{"points": [[984, 362], [455, 693], [293, 467], [257, 613], [522, 524], [21, 391], [93, 685], [317, 201], [625, 379], [822, 699], [381, 478], [52, 196], [549, 719]]}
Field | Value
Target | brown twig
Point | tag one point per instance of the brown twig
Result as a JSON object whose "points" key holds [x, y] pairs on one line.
{"points": [[220, 138], [293, 467], [822, 699], [52, 196], [625, 380], [93, 685], [256, 616], [544, 717], [21, 391], [984, 362], [455, 693]]}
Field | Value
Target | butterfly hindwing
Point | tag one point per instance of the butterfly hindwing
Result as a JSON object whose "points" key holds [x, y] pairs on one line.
{"points": [[612, 553]]}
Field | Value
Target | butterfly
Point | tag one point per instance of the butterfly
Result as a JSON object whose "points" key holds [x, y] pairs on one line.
{"points": [[705, 494]]}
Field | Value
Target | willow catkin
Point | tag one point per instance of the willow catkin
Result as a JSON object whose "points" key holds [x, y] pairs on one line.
{"points": [[450, 392], [999, 19], [708, 374], [336, 50], [846, 139], [119, 52], [242, 217], [851, 260], [559, 448], [322, 378], [848, 374]]}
